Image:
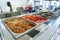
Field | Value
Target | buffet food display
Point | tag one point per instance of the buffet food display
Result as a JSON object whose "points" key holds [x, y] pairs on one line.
{"points": [[35, 18], [20, 25], [46, 14]]}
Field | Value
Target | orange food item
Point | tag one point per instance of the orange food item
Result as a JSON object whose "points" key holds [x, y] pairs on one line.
{"points": [[35, 18], [18, 25]]}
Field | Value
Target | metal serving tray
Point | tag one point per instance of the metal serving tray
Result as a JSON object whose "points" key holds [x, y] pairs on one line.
{"points": [[20, 34], [43, 15], [35, 15], [16, 35]]}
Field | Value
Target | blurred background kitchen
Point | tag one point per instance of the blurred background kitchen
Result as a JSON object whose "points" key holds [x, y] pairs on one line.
{"points": [[39, 4]]}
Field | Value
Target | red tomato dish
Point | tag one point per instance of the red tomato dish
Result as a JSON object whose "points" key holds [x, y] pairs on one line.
{"points": [[35, 18]]}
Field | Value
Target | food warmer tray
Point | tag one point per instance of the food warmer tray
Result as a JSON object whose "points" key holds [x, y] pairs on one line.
{"points": [[44, 14], [37, 14], [37, 20], [18, 35]]}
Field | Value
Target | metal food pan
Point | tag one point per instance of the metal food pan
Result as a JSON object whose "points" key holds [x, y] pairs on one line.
{"points": [[40, 15], [16, 35], [43, 15], [33, 21]]}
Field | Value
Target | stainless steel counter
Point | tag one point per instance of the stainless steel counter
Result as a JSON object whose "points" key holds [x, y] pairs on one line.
{"points": [[44, 34]]}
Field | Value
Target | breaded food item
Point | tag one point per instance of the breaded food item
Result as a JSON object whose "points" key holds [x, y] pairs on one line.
{"points": [[18, 25]]}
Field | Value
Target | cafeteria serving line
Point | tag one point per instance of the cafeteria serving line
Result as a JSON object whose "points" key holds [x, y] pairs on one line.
{"points": [[30, 20]]}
